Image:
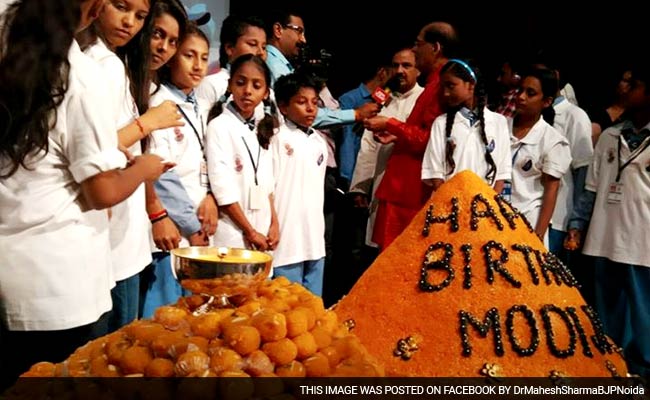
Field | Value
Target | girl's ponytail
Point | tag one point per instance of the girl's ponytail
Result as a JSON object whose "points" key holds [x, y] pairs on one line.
{"points": [[266, 127], [480, 104], [450, 146], [217, 108]]}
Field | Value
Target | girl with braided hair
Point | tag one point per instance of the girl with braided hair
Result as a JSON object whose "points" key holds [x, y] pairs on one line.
{"points": [[240, 166], [468, 136]]}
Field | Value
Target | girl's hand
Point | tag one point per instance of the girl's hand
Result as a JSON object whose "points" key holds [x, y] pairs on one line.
{"points": [[152, 166], [126, 152], [199, 239], [208, 214], [165, 234], [163, 116], [273, 237], [256, 240]]}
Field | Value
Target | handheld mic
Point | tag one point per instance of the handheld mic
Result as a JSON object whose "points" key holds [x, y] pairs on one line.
{"points": [[381, 96]]}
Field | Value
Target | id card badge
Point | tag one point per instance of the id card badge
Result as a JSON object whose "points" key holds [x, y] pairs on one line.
{"points": [[257, 197], [615, 193], [204, 174]]}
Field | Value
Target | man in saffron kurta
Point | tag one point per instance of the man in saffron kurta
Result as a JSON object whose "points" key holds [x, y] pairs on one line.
{"points": [[401, 193]]}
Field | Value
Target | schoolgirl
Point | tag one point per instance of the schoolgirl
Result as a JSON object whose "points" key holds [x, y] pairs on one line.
{"points": [[468, 136], [239, 162]]}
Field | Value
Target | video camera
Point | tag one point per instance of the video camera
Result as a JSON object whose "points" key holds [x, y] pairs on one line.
{"points": [[315, 63]]}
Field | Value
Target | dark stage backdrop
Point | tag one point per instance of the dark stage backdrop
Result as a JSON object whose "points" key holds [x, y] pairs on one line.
{"points": [[592, 45]]}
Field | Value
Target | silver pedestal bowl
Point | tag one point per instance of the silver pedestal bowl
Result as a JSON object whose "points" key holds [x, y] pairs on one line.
{"points": [[220, 272]]}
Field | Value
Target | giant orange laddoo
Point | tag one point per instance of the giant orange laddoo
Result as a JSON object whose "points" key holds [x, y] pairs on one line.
{"points": [[468, 289]]}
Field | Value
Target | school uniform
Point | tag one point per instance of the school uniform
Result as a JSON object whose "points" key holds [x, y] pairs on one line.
{"points": [[619, 238], [48, 233], [180, 190], [240, 171], [469, 151], [183, 146], [56, 272], [299, 164], [542, 151], [130, 231], [572, 122], [213, 86]]}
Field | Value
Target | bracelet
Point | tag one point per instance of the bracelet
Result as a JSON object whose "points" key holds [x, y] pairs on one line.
{"points": [[139, 124], [157, 214], [153, 221]]}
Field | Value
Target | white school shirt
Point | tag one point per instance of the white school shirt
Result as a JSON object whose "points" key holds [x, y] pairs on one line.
{"points": [[299, 163], [373, 156], [55, 254], [181, 146], [572, 122], [619, 232], [232, 175], [542, 151], [213, 86], [130, 226], [469, 153]]}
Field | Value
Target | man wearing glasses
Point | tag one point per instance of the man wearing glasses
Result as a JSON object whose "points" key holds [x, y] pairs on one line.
{"points": [[286, 36]]}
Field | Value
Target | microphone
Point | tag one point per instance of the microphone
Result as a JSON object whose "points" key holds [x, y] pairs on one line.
{"points": [[381, 96]]}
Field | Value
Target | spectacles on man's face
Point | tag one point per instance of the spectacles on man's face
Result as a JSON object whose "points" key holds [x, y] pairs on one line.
{"points": [[298, 29]]}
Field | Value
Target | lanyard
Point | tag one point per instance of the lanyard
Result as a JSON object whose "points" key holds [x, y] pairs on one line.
{"points": [[196, 132], [514, 156], [250, 155], [633, 156]]}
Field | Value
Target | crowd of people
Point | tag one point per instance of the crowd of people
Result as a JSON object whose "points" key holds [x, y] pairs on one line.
{"points": [[117, 147]]}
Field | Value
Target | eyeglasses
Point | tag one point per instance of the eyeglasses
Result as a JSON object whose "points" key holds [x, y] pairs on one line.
{"points": [[298, 29]]}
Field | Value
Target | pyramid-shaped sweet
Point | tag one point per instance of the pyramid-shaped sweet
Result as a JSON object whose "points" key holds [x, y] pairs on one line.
{"points": [[468, 289]]}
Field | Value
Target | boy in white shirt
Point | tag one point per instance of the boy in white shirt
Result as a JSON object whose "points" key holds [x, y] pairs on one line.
{"points": [[299, 163]]}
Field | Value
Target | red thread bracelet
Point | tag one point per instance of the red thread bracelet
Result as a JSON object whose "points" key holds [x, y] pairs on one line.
{"points": [[157, 214]]}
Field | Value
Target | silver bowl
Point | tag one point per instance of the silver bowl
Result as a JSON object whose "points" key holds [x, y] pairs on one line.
{"points": [[220, 271]]}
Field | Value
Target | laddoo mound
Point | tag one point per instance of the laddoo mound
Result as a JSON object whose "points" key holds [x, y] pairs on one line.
{"points": [[468, 289], [281, 330]]}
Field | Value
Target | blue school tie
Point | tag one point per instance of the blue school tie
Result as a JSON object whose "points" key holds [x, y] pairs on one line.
{"points": [[191, 98], [250, 123], [471, 116]]}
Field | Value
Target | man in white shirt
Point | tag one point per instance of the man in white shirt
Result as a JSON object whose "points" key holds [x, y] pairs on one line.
{"points": [[354, 228], [372, 157]]}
